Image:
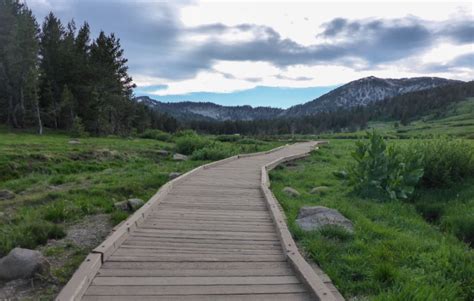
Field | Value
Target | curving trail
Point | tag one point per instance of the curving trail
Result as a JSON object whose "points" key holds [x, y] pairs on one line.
{"points": [[215, 233]]}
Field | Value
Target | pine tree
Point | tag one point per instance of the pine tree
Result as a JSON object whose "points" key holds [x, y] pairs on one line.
{"points": [[51, 67]]}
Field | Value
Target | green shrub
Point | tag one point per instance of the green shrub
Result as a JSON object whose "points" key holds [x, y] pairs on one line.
{"points": [[61, 211], [156, 135], [381, 171], [28, 234], [250, 141], [216, 151], [445, 161], [228, 138], [78, 129], [185, 133], [188, 144]]}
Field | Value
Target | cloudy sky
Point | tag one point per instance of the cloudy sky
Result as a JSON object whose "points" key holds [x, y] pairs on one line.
{"points": [[276, 53]]}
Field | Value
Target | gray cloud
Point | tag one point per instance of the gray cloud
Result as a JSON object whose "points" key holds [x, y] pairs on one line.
{"points": [[158, 44], [462, 61]]}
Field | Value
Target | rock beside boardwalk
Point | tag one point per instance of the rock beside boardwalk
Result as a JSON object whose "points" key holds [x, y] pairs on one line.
{"points": [[289, 191], [23, 263], [316, 217], [180, 157], [6, 195], [174, 175], [134, 204], [319, 190], [129, 205]]}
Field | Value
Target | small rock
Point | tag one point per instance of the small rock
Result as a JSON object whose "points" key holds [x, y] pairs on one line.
{"points": [[291, 192], [321, 190], [6, 195], [74, 142], [122, 206], [163, 152], [314, 218], [174, 175], [134, 204], [180, 157], [341, 174], [22, 263]]}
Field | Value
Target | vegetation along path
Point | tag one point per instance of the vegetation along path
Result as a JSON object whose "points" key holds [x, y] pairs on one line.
{"points": [[214, 233]]}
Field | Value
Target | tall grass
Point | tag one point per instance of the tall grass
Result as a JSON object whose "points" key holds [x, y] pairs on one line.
{"points": [[445, 161]]}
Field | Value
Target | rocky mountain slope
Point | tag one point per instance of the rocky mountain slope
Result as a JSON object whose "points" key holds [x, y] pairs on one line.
{"points": [[364, 91], [360, 92]]}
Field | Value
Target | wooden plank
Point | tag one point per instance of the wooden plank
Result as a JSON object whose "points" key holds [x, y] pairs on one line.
{"points": [[183, 244], [205, 232], [283, 271], [196, 265], [205, 257], [194, 240], [170, 281], [215, 227], [227, 297], [133, 251]]}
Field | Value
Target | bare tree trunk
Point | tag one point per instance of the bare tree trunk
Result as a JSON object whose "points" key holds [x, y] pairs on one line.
{"points": [[12, 112], [38, 113], [22, 107]]}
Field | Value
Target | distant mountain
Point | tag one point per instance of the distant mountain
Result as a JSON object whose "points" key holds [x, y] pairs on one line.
{"points": [[360, 92], [188, 110], [364, 91]]}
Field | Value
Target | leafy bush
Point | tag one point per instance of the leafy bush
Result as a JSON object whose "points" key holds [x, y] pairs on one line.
{"points": [[156, 135], [382, 171], [185, 133], [445, 161], [78, 129], [188, 144], [250, 141], [228, 138], [216, 151]]}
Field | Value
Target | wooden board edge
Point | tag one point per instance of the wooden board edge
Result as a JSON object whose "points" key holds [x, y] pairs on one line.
{"points": [[302, 268], [81, 279]]}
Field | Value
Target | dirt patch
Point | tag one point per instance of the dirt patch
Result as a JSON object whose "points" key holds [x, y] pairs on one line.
{"points": [[90, 232], [64, 256]]}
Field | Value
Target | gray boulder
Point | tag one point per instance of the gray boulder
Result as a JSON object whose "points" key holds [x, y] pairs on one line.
{"points": [[122, 206], [291, 192], [314, 218], [6, 195], [174, 175], [180, 157], [134, 204], [162, 152], [74, 142], [22, 263], [319, 190]]}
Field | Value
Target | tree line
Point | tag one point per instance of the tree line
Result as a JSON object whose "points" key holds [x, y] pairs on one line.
{"points": [[403, 108], [57, 76]]}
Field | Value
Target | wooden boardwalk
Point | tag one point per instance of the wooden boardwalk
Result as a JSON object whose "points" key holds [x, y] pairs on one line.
{"points": [[215, 233]]}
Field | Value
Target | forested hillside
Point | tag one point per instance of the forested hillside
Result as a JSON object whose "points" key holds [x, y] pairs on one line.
{"points": [[403, 109], [57, 76]]}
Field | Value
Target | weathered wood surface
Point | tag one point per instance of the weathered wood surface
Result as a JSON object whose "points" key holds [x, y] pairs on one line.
{"points": [[214, 233]]}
